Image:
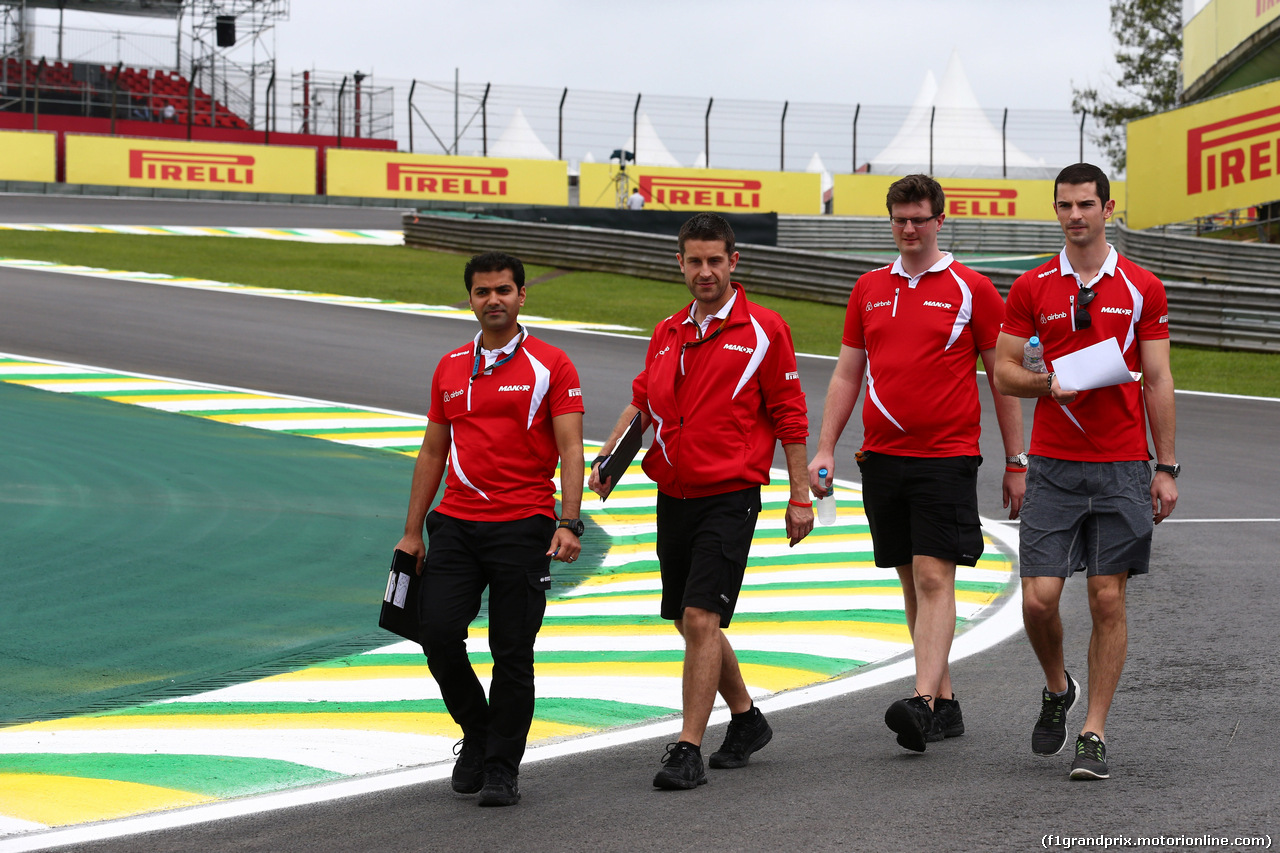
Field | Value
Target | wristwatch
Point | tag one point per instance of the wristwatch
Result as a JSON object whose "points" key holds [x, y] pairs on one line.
{"points": [[573, 525], [1172, 470], [1020, 460]]}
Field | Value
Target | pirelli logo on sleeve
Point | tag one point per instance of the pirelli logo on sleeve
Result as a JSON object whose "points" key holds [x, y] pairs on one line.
{"points": [[179, 164]]}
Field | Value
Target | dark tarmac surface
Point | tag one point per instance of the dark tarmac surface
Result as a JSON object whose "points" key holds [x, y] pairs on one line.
{"points": [[1189, 733]]}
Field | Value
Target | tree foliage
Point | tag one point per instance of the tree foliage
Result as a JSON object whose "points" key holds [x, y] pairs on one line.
{"points": [[1148, 35]]}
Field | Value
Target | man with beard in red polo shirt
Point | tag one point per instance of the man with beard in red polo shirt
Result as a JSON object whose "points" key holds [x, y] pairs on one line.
{"points": [[721, 388], [504, 408], [1092, 500], [915, 330]]}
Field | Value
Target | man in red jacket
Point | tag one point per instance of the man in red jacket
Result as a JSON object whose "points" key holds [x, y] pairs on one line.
{"points": [[721, 388]]}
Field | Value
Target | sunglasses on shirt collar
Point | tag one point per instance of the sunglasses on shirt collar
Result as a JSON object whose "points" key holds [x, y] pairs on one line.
{"points": [[1082, 300]]}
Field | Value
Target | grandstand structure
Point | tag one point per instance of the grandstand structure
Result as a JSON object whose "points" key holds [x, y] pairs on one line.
{"points": [[211, 77]]}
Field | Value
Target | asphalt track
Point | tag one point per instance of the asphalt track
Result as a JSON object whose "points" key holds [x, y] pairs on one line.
{"points": [[1189, 734]]}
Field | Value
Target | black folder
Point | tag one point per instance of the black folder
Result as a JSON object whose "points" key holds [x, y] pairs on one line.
{"points": [[616, 463], [400, 601]]}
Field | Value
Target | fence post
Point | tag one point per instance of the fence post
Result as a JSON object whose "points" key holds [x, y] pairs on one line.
{"points": [[1083, 115], [115, 87], [857, 109], [484, 121], [1004, 145], [706, 135], [191, 98], [412, 85], [35, 120], [560, 125], [271, 88], [635, 134], [932, 112], [782, 149], [341, 91]]}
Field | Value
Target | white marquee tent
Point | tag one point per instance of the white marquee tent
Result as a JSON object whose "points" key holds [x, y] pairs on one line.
{"points": [[965, 142]]}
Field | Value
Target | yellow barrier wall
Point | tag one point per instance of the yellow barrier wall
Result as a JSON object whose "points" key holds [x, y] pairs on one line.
{"points": [[178, 164], [1212, 156], [387, 174], [967, 198], [704, 189], [28, 156], [1218, 28]]}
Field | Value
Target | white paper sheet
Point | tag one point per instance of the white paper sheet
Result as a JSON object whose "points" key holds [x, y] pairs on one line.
{"points": [[1096, 366]]}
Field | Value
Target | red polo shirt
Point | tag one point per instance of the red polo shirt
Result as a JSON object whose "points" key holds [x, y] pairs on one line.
{"points": [[922, 337], [502, 453], [1105, 424]]}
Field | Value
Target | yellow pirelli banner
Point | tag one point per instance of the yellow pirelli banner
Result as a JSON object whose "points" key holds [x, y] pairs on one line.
{"points": [[702, 189], [1218, 29], [27, 155], [1216, 155], [967, 198], [388, 174], [178, 164]]}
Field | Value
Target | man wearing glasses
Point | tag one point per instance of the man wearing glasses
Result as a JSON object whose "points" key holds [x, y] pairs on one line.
{"points": [[1091, 497], [504, 408], [915, 329]]}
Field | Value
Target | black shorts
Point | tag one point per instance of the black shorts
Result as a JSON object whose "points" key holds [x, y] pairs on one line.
{"points": [[703, 545], [922, 506]]}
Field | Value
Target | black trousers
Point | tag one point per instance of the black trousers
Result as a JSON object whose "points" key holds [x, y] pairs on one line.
{"points": [[509, 557]]}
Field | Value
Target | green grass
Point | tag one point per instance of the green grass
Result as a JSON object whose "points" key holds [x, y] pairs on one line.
{"points": [[412, 275]]}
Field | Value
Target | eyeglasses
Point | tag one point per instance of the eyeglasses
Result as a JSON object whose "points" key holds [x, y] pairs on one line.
{"points": [[1083, 298], [917, 221]]}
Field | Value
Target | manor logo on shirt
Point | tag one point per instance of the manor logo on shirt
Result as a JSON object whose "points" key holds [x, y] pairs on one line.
{"points": [[931, 304], [1110, 310], [739, 348], [514, 387]]}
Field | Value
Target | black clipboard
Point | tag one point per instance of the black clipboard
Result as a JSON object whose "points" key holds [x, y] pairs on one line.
{"points": [[400, 601], [624, 453]]}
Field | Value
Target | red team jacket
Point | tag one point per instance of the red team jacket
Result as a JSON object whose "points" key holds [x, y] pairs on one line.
{"points": [[502, 453], [1105, 424], [922, 342], [720, 404]]}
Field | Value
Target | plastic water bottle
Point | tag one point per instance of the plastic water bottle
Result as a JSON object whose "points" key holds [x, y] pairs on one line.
{"points": [[1033, 355], [827, 503]]}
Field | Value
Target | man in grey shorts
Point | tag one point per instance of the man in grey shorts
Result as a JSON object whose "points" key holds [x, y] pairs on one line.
{"points": [[1091, 499]]}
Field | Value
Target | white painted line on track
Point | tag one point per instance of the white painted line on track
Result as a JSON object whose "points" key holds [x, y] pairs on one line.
{"points": [[994, 629]]}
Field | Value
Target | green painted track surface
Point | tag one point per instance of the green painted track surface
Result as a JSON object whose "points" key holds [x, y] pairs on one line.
{"points": [[244, 548]]}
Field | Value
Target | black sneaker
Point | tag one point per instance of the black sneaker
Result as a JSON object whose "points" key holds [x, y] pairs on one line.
{"points": [[912, 719], [947, 721], [744, 737], [1091, 758], [500, 788], [681, 768], [468, 770], [1050, 734]]}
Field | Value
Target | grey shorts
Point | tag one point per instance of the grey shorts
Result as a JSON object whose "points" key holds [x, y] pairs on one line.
{"points": [[1085, 515]]}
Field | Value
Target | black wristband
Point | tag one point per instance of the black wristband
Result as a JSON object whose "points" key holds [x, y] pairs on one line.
{"points": [[597, 461]]}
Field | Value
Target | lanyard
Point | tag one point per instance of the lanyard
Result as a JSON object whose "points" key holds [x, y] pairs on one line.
{"points": [[478, 367]]}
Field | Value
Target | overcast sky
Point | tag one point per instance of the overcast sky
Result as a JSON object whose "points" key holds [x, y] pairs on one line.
{"points": [[1018, 53]]}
